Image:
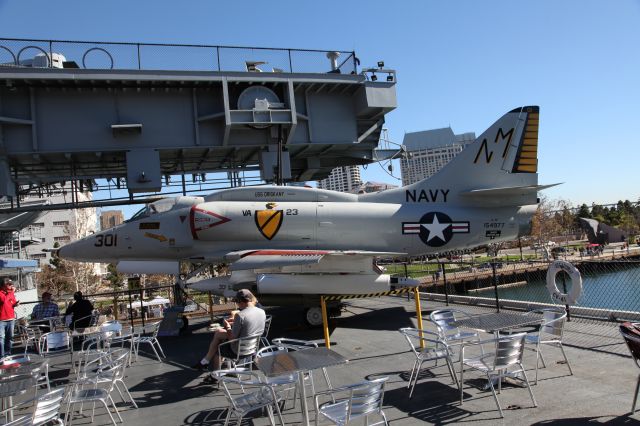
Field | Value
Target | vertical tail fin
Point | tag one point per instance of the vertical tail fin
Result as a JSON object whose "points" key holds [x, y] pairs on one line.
{"points": [[501, 163]]}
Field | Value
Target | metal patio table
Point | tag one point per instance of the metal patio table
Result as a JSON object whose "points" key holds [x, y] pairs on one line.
{"points": [[16, 378], [299, 362], [498, 322]]}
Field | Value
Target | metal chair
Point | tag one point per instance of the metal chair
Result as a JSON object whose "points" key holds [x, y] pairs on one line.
{"points": [[550, 333], [87, 321], [103, 371], [508, 351], [245, 349], [55, 343], [151, 339], [631, 336], [434, 350], [95, 394], [46, 410], [443, 318], [29, 336], [255, 395], [300, 345], [283, 383], [362, 400], [264, 339]]}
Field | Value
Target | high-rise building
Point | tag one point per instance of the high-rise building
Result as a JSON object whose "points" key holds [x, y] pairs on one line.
{"points": [[111, 219], [343, 179], [428, 151], [58, 226]]}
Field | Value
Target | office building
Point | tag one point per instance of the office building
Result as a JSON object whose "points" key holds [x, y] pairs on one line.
{"points": [[430, 150], [111, 219], [343, 179]]}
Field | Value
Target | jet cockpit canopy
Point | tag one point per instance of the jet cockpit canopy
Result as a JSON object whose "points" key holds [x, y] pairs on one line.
{"points": [[165, 205]]}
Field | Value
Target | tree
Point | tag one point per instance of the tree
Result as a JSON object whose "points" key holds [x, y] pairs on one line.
{"points": [[82, 273]]}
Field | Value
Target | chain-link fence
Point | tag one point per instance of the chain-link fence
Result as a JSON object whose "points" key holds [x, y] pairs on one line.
{"points": [[152, 56], [139, 305], [610, 287]]}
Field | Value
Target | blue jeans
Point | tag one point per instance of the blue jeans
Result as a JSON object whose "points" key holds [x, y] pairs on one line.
{"points": [[6, 337]]}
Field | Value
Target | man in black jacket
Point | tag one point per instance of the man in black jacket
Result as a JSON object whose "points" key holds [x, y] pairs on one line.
{"points": [[81, 310]]}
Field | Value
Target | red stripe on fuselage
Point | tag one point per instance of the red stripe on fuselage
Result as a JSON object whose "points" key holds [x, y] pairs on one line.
{"points": [[285, 253]]}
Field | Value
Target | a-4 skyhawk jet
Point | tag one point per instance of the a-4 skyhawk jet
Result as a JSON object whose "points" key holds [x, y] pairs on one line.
{"points": [[292, 244]]}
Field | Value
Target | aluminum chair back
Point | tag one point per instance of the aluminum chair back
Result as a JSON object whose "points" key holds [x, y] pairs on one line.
{"points": [[114, 326], [264, 339], [553, 322], [247, 345], [632, 340], [508, 351], [55, 342], [366, 398], [294, 344], [47, 407], [443, 319]]}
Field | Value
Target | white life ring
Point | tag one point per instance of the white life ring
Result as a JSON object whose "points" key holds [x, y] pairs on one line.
{"points": [[576, 282]]}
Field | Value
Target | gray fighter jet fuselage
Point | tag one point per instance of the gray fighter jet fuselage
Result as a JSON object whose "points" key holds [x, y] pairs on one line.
{"points": [[286, 239]]}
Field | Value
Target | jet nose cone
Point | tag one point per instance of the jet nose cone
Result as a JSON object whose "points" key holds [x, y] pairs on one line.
{"points": [[83, 250]]}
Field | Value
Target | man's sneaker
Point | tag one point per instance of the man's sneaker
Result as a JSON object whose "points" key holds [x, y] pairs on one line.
{"points": [[199, 366], [210, 380]]}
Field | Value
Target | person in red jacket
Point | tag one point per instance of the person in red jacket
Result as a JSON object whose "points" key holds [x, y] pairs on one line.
{"points": [[7, 316]]}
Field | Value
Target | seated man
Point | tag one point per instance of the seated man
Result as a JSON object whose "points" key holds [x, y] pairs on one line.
{"points": [[81, 309], [248, 322], [45, 309]]}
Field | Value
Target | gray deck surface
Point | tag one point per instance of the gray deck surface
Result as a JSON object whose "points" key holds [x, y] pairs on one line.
{"points": [[600, 391]]}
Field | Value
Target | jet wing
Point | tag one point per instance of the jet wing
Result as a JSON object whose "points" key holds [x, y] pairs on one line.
{"points": [[509, 191], [273, 259]]}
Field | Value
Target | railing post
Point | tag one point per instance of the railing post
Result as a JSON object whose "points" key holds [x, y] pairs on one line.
{"points": [[141, 307], [130, 308], [218, 55], [290, 64], [564, 289], [444, 282], [139, 61], [495, 285]]}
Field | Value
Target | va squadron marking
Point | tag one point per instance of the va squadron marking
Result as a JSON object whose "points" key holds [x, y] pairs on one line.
{"points": [[435, 229], [268, 222]]}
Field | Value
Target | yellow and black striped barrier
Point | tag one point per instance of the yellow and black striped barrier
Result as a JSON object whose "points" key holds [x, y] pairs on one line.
{"points": [[332, 297]]}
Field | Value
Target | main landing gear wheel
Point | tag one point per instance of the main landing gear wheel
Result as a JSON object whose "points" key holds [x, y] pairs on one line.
{"points": [[313, 316]]}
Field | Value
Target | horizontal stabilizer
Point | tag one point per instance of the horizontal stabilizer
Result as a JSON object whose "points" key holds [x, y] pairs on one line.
{"points": [[508, 191]]}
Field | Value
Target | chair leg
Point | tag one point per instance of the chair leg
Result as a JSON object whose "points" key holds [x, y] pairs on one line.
{"points": [[565, 359], [115, 408], [413, 369], [526, 380], [415, 379], [461, 382], [635, 396], [452, 372], [160, 348], [495, 396], [106, 407]]}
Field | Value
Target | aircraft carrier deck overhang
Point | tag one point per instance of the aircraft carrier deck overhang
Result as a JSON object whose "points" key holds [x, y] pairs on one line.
{"points": [[140, 127]]}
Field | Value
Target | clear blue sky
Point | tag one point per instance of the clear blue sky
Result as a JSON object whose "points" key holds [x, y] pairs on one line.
{"points": [[460, 63]]}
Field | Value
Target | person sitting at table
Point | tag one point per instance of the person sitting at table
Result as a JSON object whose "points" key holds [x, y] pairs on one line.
{"points": [[249, 321], [45, 309], [80, 311]]}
